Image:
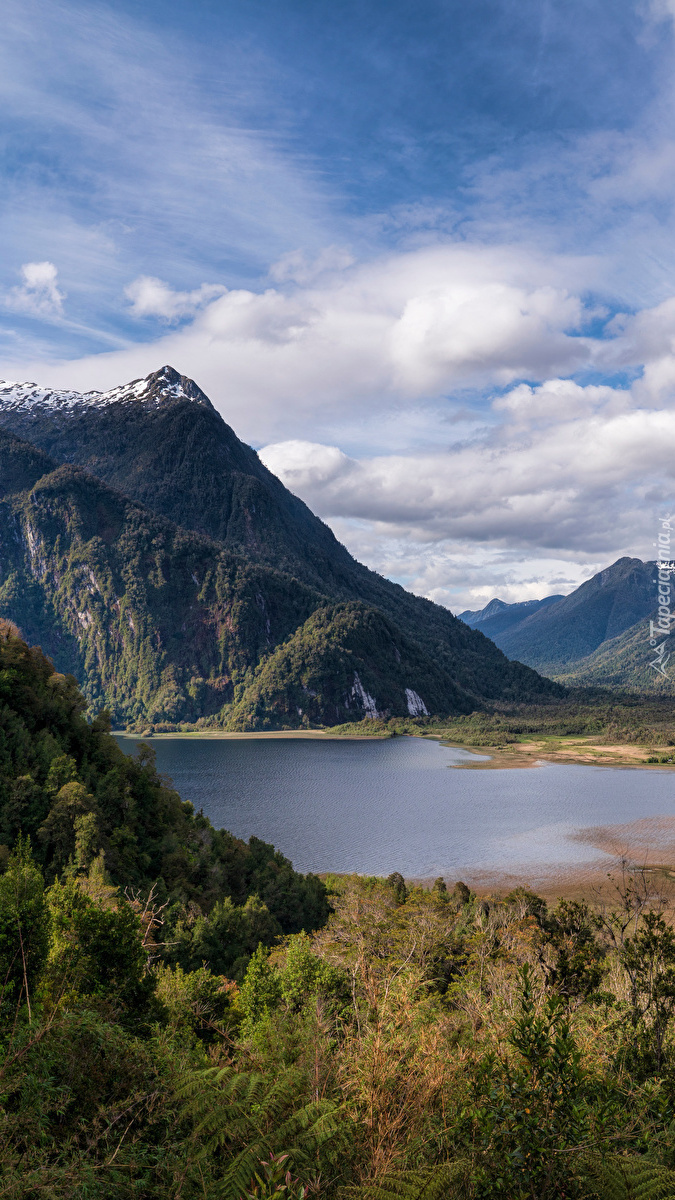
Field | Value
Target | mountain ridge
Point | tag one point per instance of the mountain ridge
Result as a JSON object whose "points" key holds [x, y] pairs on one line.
{"points": [[497, 616], [151, 390], [597, 636], [600, 609], [625, 663]]}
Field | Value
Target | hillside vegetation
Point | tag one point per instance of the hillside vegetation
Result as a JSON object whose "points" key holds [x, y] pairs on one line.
{"points": [[624, 663], [182, 1017], [67, 786]]}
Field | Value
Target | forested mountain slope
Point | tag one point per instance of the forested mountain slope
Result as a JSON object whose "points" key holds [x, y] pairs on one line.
{"points": [[161, 442], [627, 663], [162, 625], [67, 786]]}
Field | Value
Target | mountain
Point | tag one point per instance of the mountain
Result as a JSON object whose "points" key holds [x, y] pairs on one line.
{"points": [[161, 624], [497, 616], [626, 663], [160, 442], [600, 610]]}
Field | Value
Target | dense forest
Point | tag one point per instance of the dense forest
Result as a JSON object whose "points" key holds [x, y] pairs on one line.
{"points": [[182, 1015]]}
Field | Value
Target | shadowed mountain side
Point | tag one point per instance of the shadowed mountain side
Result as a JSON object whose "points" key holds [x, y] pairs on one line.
{"points": [[601, 609], [161, 624], [623, 664], [161, 442]]}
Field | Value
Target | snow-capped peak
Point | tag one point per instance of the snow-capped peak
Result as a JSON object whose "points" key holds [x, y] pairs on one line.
{"points": [[156, 389]]}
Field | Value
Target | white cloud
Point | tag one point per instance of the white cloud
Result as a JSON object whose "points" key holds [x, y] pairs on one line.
{"points": [[559, 399], [566, 480], [550, 472], [151, 297], [371, 338], [562, 485], [39, 294]]}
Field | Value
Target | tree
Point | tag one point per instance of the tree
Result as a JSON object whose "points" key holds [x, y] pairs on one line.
{"points": [[649, 961], [98, 950], [535, 1112], [24, 931]]}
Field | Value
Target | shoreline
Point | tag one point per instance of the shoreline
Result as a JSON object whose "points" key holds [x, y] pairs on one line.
{"points": [[580, 751], [224, 735], [533, 752]]}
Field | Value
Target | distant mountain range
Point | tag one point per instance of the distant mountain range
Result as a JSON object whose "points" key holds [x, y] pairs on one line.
{"points": [[596, 636], [152, 555], [497, 616]]}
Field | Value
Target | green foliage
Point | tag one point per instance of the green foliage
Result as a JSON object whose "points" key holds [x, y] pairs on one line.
{"points": [[196, 1004], [574, 959], [68, 786], [245, 1118], [225, 938], [614, 1177], [261, 990], [397, 884], [648, 959], [98, 953], [449, 1182], [304, 975], [626, 718], [273, 1179], [618, 1177], [24, 931], [532, 1114]]}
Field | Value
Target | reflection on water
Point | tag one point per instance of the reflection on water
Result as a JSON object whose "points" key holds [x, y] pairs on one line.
{"points": [[381, 806]]}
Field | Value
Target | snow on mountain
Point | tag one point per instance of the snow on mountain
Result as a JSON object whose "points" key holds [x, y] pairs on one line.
{"points": [[154, 390]]}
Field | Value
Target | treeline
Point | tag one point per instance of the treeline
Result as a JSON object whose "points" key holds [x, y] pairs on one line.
{"points": [[584, 712]]}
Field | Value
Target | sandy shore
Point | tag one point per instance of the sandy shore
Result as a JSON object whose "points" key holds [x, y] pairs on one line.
{"points": [[646, 845], [584, 750]]}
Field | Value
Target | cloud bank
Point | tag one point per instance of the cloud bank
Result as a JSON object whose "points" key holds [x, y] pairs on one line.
{"points": [[427, 351]]}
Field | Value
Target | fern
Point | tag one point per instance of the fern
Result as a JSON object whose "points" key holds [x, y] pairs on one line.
{"points": [[247, 1119], [620, 1178], [448, 1182], [613, 1177]]}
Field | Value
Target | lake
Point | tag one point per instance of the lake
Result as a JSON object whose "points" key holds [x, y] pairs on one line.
{"points": [[398, 805]]}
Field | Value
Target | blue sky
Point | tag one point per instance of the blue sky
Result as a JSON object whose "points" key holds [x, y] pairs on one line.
{"points": [[386, 238]]}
